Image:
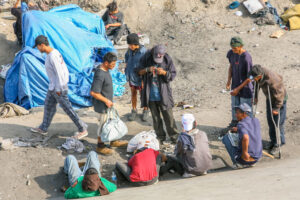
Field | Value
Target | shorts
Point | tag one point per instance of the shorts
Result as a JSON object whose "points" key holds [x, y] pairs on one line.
{"points": [[139, 88]]}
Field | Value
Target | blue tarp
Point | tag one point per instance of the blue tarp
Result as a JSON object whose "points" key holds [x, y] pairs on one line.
{"points": [[79, 36]]}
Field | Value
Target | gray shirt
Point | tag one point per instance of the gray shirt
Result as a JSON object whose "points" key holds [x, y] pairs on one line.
{"points": [[198, 160], [102, 84]]}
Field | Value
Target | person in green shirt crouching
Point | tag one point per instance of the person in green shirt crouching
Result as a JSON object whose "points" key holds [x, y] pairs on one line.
{"points": [[88, 182]]}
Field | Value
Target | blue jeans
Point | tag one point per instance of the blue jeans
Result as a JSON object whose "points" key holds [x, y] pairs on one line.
{"points": [[272, 131], [71, 166], [236, 101], [232, 150]]}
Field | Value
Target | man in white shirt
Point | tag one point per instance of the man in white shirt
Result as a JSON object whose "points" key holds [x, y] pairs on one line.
{"points": [[58, 75]]}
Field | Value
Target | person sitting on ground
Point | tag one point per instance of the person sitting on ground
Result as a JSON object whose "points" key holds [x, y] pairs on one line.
{"points": [[102, 93], [240, 64], [143, 167], [158, 71], [248, 149], [132, 59], [17, 12], [88, 182], [192, 156], [113, 20]]}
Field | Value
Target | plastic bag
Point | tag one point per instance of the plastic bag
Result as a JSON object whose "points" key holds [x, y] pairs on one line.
{"points": [[114, 128], [143, 139]]}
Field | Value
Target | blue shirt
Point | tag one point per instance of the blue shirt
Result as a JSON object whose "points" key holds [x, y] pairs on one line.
{"points": [[251, 127], [132, 60], [154, 90]]}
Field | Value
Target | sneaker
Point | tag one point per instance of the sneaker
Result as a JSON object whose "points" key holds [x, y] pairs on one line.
{"points": [[105, 151], [274, 150], [145, 115], [133, 115], [119, 143], [187, 175], [39, 131], [80, 135]]}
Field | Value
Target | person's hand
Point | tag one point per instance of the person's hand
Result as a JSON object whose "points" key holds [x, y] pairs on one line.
{"points": [[109, 104], [161, 71], [245, 156], [151, 69], [255, 101], [228, 85], [58, 93], [107, 26], [275, 112], [234, 92], [234, 129]]}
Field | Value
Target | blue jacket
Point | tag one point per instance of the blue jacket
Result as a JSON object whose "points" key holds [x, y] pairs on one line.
{"points": [[132, 60]]}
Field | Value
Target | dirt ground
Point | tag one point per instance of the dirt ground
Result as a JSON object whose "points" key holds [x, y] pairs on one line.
{"points": [[199, 47]]}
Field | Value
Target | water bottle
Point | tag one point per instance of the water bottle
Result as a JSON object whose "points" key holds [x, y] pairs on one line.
{"points": [[114, 178]]}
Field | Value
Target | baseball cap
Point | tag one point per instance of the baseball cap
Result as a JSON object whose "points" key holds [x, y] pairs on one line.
{"points": [[159, 52], [244, 107], [41, 39], [187, 121], [236, 42]]}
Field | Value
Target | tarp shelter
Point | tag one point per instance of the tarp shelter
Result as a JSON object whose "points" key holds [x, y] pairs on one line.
{"points": [[292, 16], [79, 36]]}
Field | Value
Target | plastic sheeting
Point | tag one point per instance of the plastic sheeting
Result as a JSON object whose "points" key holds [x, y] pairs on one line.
{"points": [[79, 36]]}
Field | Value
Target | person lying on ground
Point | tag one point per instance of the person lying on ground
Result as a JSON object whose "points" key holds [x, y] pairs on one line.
{"points": [[132, 58], [17, 12], [58, 75], [143, 167], [192, 156], [102, 93], [248, 149], [114, 22], [272, 82], [87, 182], [158, 71], [240, 64]]}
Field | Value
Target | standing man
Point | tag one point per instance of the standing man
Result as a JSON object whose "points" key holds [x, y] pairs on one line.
{"points": [[249, 145], [113, 20], [240, 64], [17, 12], [58, 75], [102, 93], [157, 71], [132, 59], [272, 86]]}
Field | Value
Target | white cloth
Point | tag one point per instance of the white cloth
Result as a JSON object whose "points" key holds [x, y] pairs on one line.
{"points": [[57, 71], [187, 121]]}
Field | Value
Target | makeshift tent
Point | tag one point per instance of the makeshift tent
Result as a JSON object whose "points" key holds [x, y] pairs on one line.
{"points": [[79, 36], [292, 16]]}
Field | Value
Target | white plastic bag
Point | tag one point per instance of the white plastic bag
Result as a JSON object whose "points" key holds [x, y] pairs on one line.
{"points": [[114, 128], [143, 139]]}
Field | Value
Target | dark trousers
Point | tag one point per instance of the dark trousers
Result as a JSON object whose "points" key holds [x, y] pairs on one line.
{"points": [[172, 163], [272, 131], [115, 33], [126, 171], [156, 111]]}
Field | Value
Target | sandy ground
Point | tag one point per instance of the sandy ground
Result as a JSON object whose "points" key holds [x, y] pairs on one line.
{"points": [[198, 47]]}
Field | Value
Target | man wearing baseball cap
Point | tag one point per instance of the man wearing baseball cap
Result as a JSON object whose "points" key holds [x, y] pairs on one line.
{"points": [[58, 75], [192, 156], [158, 71], [248, 149], [240, 64]]}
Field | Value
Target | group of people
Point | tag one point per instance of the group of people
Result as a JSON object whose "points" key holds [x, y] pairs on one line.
{"points": [[150, 72]]}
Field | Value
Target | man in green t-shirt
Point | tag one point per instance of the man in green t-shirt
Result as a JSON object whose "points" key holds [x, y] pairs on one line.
{"points": [[88, 182]]}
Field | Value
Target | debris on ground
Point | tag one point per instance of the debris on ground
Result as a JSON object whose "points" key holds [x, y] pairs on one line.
{"points": [[73, 145], [12, 110], [277, 34]]}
